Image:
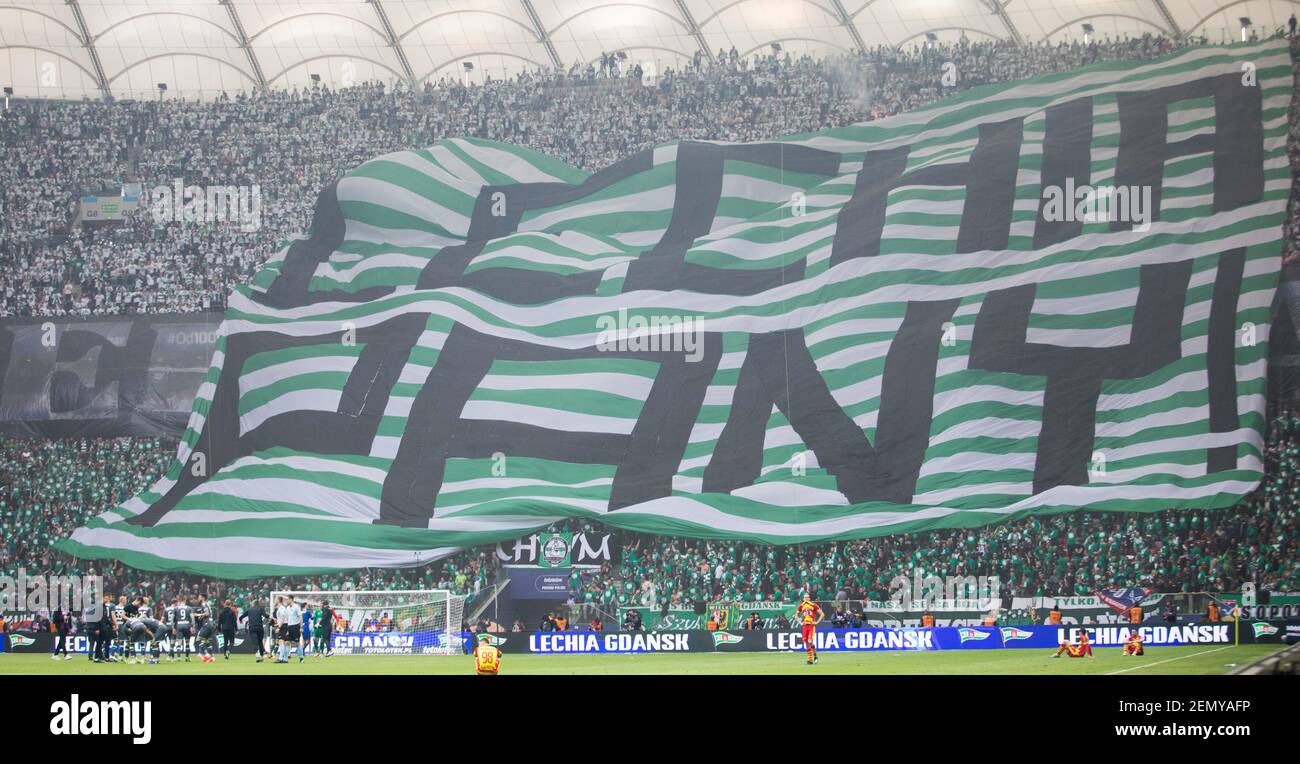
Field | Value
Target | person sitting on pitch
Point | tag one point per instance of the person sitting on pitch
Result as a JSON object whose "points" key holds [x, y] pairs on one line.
{"points": [[1133, 645], [1076, 651]]}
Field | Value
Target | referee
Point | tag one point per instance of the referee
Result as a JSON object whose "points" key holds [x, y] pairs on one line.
{"points": [[280, 621], [289, 616]]}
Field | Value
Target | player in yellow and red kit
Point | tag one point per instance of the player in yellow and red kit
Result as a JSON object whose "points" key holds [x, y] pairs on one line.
{"points": [[1133, 645], [809, 614], [487, 657], [1076, 651]]}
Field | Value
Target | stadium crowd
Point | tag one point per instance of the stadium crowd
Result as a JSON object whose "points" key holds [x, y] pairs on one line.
{"points": [[293, 143]]}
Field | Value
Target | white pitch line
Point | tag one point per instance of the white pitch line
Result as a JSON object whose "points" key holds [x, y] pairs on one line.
{"points": [[1167, 660]]}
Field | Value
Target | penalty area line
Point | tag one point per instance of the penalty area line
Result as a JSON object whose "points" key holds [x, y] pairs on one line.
{"points": [[1167, 660]]}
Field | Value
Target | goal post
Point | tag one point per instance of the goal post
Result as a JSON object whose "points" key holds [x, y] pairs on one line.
{"points": [[408, 622]]}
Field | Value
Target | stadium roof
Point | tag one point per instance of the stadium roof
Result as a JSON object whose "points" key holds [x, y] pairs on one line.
{"points": [[199, 48]]}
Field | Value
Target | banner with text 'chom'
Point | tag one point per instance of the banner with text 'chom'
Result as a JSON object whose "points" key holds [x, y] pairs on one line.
{"points": [[1031, 297]]}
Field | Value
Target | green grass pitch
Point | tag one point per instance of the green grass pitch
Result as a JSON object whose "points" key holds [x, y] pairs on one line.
{"points": [[1191, 659]]}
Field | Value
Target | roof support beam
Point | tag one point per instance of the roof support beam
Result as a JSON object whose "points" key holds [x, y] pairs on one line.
{"points": [[238, 25], [1170, 24], [694, 28], [89, 43], [542, 36], [847, 22], [1000, 11], [394, 43]]}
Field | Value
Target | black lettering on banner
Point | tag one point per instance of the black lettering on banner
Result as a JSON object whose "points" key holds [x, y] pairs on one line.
{"points": [[780, 362], [989, 177], [290, 287], [1067, 154], [1221, 357], [522, 286], [447, 268], [1237, 141], [646, 458], [349, 430], [700, 168], [1074, 374]]}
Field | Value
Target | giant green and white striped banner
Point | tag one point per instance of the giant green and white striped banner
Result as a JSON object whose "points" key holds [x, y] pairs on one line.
{"points": [[1029, 298]]}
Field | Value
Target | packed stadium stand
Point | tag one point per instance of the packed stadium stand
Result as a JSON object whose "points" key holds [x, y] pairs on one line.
{"points": [[285, 114]]}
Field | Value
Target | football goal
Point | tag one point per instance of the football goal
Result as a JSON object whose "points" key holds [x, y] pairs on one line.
{"points": [[414, 622]]}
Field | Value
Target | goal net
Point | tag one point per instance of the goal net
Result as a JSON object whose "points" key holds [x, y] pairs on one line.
{"points": [[416, 622]]}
